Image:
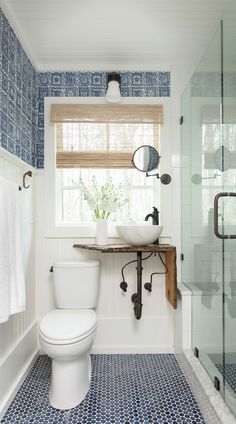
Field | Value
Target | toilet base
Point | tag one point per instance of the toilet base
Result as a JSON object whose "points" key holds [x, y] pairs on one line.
{"points": [[70, 382]]}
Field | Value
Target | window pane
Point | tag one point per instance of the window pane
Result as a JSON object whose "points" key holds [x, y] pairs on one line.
{"points": [[137, 188], [94, 137]]}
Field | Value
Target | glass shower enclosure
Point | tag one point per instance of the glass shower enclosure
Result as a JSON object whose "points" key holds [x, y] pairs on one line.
{"points": [[209, 206]]}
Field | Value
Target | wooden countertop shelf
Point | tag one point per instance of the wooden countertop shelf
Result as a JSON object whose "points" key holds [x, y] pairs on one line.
{"points": [[117, 248], [170, 260]]}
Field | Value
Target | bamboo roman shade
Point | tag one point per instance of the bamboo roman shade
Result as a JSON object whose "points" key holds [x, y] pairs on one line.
{"points": [[103, 136], [107, 113]]}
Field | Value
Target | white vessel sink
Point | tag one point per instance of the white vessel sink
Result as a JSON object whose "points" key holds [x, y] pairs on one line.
{"points": [[139, 234]]}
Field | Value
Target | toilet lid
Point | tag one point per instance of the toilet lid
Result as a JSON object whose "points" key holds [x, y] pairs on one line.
{"points": [[68, 325]]}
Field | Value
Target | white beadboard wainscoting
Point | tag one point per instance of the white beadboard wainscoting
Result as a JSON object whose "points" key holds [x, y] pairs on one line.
{"points": [[118, 331], [18, 335]]}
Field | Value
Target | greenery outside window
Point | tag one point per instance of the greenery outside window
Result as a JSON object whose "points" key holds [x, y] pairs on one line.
{"points": [[100, 140]]}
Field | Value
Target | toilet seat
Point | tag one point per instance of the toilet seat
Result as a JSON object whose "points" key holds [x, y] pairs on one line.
{"points": [[67, 326]]}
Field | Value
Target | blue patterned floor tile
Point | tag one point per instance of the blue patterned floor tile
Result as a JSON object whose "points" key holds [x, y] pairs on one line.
{"points": [[125, 389]]}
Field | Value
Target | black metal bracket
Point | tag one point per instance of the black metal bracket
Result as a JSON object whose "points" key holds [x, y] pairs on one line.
{"points": [[196, 352], [165, 178], [217, 383], [181, 120]]}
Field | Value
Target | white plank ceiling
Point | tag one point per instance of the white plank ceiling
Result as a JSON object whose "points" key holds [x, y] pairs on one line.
{"points": [[115, 35]]}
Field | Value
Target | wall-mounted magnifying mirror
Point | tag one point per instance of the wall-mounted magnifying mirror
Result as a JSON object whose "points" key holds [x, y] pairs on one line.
{"points": [[222, 158], [146, 158]]}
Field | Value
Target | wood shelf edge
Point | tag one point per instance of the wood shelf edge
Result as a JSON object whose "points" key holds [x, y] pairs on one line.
{"points": [[116, 248]]}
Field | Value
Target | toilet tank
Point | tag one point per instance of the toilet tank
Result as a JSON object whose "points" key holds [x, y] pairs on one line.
{"points": [[76, 284]]}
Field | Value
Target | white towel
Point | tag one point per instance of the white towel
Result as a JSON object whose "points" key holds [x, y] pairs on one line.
{"points": [[12, 281]]}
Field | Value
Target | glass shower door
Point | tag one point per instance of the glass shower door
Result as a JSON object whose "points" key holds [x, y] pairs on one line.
{"points": [[228, 204], [202, 179], [209, 206]]}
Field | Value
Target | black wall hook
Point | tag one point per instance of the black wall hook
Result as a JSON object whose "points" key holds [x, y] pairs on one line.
{"points": [[29, 174]]}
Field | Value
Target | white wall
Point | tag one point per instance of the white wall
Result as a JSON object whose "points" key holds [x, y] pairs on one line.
{"points": [[118, 331], [18, 341]]}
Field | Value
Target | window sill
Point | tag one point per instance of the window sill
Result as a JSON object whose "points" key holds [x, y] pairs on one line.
{"points": [[87, 232], [82, 230]]}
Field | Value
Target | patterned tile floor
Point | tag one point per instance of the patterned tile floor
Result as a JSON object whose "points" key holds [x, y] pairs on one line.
{"points": [[228, 368], [125, 389]]}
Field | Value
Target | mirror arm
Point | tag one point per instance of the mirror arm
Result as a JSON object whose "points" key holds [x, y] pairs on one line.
{"points": [[165, 178], [152, 175]]}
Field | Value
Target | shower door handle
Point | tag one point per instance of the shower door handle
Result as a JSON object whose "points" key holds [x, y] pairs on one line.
{"points": [[216, 228]]}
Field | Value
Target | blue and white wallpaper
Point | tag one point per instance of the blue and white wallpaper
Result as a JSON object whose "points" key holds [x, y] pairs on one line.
{"points": [[22, 92], [18, 130]]}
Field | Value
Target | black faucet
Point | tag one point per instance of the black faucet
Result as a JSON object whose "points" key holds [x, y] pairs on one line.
{"points": [[154, 216]]}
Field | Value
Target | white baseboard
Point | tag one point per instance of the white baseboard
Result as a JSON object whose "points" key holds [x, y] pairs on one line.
{"points": [[132, 349], [16, 366]]}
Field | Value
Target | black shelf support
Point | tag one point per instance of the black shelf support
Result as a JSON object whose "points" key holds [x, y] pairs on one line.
{"points": [[217, 383]]}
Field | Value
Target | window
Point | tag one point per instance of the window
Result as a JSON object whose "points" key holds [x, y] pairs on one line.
{"points": [[100, 140]]}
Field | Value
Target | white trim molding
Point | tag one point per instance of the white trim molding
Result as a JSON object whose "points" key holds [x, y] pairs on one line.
{"points": [[15, 367]]}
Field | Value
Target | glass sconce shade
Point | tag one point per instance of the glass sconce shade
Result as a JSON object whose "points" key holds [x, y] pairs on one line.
{"points": [[113, 92]]}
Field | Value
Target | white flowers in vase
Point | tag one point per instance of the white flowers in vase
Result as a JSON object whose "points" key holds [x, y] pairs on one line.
{"points": [[103, 200]]}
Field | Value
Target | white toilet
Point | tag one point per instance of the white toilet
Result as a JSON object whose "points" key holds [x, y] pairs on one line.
{"points": [[66, 334]]}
